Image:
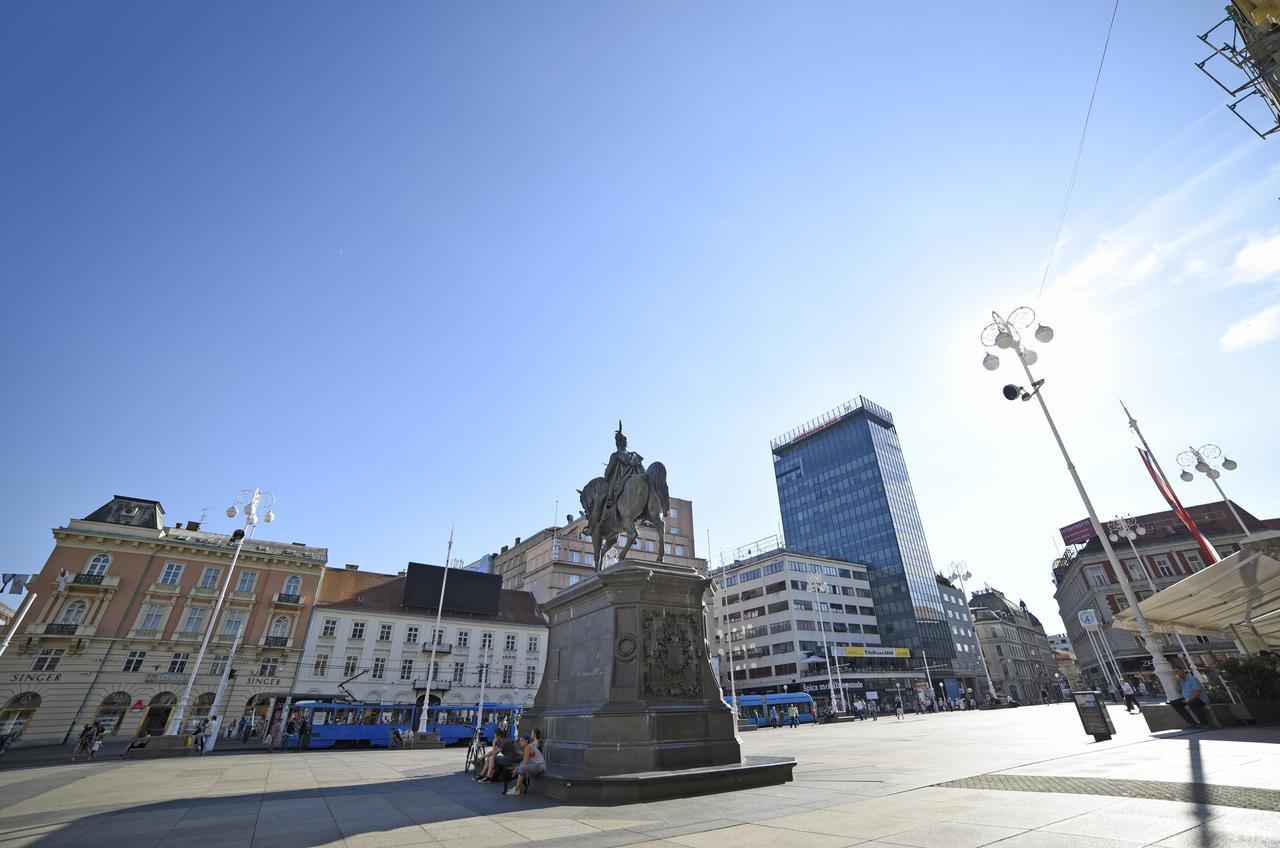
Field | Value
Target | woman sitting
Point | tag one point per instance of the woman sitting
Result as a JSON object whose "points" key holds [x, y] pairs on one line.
{"points": [[531, 764]]}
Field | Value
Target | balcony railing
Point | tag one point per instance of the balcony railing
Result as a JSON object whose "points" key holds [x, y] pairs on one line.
{"points": [[288, 599], [61, 629], [276, 641], [440, 649], [88, 579]]}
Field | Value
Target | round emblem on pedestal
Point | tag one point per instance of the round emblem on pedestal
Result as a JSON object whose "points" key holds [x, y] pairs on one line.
{"points": [[626, 647]]}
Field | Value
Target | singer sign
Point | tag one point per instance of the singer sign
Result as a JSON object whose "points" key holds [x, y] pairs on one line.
{"points": [[1078, 533]]}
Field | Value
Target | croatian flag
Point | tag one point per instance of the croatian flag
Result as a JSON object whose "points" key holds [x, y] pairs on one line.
{"points": [[1206, 549]]}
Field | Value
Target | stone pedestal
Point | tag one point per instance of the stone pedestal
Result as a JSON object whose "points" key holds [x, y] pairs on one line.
{"points": [[628, 697]]}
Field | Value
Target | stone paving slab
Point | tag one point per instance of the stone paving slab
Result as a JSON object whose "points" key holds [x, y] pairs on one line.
{"points": [[867, 784]]}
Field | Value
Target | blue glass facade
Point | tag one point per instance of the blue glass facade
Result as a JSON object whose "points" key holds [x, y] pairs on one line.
{"points": [[844, 491]]}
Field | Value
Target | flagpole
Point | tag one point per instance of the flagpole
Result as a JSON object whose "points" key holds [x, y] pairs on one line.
{"points": [[435, 640], [1205, 547], [17, 621]]}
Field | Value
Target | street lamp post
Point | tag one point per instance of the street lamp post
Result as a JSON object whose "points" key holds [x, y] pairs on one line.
{"points": [[960, 572], [1205, 460], [1006, 334], [1128, 527], [819, 586], [249, 503]]}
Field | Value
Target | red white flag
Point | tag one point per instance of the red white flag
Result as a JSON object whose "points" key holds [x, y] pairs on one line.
{"points": [[1206, 549]]}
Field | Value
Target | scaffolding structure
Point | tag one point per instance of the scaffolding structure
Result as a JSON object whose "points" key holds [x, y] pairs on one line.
{"points": [[1254, 51]]}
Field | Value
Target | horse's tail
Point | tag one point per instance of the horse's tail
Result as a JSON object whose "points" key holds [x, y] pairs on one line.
{"points": [[658, 480]]}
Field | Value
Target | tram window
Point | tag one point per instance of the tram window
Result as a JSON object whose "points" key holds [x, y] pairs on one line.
{"points": [[319, 717]]}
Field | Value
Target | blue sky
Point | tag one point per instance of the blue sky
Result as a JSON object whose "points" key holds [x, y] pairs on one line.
{"points": [[407, 265]]}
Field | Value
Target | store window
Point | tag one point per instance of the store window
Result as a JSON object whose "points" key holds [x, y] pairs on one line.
{"points": [[17, 714], [112, 710]]}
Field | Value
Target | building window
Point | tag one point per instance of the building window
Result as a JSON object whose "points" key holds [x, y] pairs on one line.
{"points": [[152, 618], [218, 664], [437, 636], [679, 550], [1096, 575], [379, 668], [482, 674], [330, 628], [406, 669], [270, 667], [321, 667], [464, 637], [533, 645], [97, 565], [674, 513], [530, 674], [209, 578], [134, 661], [459, 671], [293, 585], [486, 641], [172, 574], [357, 630], [248, 579], [673, 530], [411, 635], [384, 632], [48, 659], [73, 612], [1164, 567], [349, 665], [509, 643], [508, 673], [232, 623], [574, 556], [178, 662], [1194, 560], [195, 620], [280, 627]]}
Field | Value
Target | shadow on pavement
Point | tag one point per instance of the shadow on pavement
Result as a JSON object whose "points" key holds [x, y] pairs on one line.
{"points": [[294, 817]]}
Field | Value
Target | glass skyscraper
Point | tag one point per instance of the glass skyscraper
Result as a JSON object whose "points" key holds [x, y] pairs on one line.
{"points": [[844, 491]]}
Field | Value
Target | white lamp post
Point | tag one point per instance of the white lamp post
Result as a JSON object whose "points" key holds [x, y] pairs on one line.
{"points": [[1206, 461], [1006, 334], [960, 573], [247, 502], [819, 586], [436, 636]]}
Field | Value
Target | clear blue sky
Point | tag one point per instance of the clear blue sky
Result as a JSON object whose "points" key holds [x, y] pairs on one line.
{"points": [[407, 264]]}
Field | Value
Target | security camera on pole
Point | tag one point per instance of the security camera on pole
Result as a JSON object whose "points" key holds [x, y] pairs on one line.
{"points": [[1006, 334], [249, 502]]}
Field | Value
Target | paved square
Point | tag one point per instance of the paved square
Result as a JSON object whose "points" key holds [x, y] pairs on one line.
{"points": [[1011, 776]]}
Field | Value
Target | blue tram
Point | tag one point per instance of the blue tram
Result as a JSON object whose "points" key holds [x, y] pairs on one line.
{"points": [[454, 724], [757, 708], [354, 725]]}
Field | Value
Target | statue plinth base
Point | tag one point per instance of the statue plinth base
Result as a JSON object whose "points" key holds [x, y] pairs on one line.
{"points": [[629, 707]]}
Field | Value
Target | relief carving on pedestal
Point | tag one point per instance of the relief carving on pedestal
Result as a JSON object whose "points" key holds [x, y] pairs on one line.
{"points": [[671, 654]]}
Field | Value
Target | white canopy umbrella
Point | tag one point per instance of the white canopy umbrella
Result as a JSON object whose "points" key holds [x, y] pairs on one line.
{"points": [[1238, 597]]}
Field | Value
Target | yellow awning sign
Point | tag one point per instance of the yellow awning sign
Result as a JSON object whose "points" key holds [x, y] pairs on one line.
{"points": [[872, 651]]}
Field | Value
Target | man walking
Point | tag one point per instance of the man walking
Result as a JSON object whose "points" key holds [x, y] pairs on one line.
{"points": [[1130, 702], [793, 716]]}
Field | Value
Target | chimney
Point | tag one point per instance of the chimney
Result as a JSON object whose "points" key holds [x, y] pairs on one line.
{"points": [[193, 525], [351, 566], [517, 544]]}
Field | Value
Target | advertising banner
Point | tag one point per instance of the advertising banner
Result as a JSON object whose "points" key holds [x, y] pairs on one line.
{"points": [[1078, 533], [874, 651]]}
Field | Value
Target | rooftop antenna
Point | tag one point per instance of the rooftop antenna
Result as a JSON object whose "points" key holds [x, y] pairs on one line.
{"points": [[203, 512]]}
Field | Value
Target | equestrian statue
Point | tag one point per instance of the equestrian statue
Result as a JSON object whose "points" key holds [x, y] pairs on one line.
{"points": [[627, 495]]}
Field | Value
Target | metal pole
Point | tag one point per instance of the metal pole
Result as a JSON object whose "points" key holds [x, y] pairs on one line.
{"points": [[1100, 655], [927, 675], [991, 687], [179, 714], [484, 677], [831, 686], [30, 601], [435, 640], [1158, 662]]}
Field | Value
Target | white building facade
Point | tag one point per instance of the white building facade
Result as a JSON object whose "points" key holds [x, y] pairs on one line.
{"points": [[364, 646]]}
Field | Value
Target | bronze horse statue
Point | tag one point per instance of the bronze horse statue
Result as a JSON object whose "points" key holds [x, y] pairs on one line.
{"points": [[644, 499]]}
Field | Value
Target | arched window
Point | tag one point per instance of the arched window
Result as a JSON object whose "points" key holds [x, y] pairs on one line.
{"points": [[293, 585], [17, 714], [97, 565], [280, 627], [73, 612], [112, 711]]}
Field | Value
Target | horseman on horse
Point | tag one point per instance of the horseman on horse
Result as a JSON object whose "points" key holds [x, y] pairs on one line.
{"points": [[627, 494]]}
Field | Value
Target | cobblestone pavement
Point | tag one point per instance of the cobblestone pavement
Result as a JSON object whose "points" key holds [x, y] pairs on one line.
{"points": [[1245, 797], [865, 784]]}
